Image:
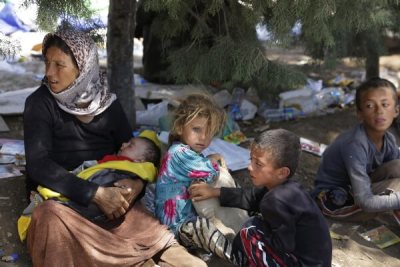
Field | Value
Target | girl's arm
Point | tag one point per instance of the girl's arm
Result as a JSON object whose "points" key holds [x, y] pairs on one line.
{"points": [[188, 164]]}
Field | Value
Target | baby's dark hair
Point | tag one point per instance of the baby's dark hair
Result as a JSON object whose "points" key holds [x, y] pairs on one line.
{"points": [[152, 153], [55, 41], [283, 147], [373, 84], [194, 106]]}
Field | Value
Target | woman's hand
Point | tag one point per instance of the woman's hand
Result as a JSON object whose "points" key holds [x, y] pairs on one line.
{"points": [[112, 201], [201, 191], [136, 186]]}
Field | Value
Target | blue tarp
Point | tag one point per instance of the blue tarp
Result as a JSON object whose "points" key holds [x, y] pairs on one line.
{"points": [[9, 21], [96, 22]]}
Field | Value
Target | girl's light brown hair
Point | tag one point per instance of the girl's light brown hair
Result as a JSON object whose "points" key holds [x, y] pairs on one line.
{"points": [[195, 106]]}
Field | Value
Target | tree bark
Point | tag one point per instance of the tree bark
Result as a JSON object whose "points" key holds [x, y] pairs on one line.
{"points": [[120, 32], [372, 64]]}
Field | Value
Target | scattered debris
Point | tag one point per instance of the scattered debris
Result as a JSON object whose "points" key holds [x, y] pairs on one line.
{"points": [[9, 170], [152, 114], [10, 258], [235, 107], [312, 146], [368, 256], [248, 110], [13, 148], [13, 102], [335, 264], [381, 236], [262, 128], [12, 157], [3, 125], [235, 137], [222, 98], [280, 114], [338, 236]]}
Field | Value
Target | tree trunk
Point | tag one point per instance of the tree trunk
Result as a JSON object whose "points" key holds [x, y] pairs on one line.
{"points": [[372, 64], [121, 27]]}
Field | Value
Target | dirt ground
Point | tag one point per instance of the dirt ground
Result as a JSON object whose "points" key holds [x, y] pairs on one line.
{"points": [[349, 248]]}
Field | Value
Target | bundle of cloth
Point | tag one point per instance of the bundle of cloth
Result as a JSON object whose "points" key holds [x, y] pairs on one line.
{"points": [[228, 220]]}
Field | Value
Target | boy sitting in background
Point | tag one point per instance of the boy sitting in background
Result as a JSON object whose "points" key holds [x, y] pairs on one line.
{"points": [[360, 170], [290, 231]]}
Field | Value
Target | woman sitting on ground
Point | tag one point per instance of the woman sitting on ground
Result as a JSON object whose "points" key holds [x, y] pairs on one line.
{"points": [[70, 118]]}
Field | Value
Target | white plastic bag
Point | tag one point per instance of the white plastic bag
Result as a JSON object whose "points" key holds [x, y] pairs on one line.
{"points": [[152, 114]]}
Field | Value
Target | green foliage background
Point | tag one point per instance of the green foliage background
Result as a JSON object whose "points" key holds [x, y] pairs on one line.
{"points": [[215, 42]]}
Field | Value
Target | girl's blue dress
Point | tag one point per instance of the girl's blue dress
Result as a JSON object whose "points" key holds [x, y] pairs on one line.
{"points": [[179, 168]]}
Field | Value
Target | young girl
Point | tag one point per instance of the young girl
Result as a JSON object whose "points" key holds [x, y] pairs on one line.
{"points": [[197, 120]]}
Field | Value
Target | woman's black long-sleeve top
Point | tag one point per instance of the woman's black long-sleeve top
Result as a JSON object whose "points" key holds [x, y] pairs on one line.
{"points": [[57, 142]]}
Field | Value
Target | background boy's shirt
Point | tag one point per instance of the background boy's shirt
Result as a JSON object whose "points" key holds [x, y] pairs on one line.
{"points": [[293, 222], [179, 168], [349, 160]]}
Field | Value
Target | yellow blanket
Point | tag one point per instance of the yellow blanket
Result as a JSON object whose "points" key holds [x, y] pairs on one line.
{"points": [[144, 170]]}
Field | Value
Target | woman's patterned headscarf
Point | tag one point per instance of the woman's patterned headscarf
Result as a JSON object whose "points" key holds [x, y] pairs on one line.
{"points": [[87, 95]]}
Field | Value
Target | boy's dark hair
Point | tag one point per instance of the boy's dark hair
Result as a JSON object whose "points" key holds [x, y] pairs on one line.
{"points": [[55, 41], [283, 146], [152, 153], [373, 84]]}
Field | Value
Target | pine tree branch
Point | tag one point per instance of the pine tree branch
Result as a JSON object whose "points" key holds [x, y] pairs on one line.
{"points": [[202, 23]]}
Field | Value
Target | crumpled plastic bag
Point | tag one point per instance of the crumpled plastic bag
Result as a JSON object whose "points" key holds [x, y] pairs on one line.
{"points": [[152, 114]]}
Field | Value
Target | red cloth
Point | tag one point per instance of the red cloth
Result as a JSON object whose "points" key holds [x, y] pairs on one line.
{"points": [[113, 157]]}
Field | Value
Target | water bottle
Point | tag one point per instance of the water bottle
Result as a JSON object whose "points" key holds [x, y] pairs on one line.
{"points": [[138, 80], [329, 96], [237, 97], [274, 114], [280, 114]]}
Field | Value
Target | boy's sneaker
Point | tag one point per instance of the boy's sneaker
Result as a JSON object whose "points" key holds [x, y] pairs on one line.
{"points": [[336, 204]]}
